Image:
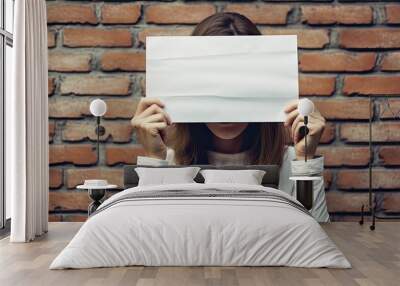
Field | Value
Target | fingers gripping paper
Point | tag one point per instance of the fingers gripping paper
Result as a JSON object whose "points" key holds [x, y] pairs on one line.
{"points": [[223, 78]]}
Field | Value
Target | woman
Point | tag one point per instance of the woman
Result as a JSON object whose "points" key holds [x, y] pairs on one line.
{"points": [[233, 143]]}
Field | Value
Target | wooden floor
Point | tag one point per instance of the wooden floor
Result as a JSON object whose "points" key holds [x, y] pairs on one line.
{"points": [[375, 257]]}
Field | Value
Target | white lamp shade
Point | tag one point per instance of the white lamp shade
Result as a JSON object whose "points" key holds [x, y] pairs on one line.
{"points": [[98, 107], [305, 107]]}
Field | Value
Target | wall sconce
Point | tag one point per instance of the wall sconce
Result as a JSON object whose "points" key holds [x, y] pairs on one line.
{"points": [[98, 108], [304, 185]]}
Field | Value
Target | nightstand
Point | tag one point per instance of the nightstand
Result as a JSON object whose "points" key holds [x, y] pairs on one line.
{"points": [[96, 190]]}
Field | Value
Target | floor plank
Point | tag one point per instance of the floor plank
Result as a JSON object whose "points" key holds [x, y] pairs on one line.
{"points": [[375, 257]]}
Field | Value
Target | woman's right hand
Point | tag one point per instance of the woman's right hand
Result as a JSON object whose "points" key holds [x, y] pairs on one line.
{"points": [[150, 122]]}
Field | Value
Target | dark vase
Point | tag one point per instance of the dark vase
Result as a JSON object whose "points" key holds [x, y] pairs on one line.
{"points": [[304, 193], [96, 195]]}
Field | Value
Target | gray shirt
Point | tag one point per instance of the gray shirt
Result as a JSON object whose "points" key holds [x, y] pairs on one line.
{"points": [[290, 167]]}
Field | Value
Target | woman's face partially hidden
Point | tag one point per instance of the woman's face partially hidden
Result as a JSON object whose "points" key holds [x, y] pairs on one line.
{"points": [[227, 131]]}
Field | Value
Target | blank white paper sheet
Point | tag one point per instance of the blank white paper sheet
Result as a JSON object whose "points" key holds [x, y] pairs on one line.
{"points": [[223, 78]]}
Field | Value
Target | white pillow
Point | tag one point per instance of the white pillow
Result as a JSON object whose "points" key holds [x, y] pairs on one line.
{"points": [[166, 176], [248, 177]]}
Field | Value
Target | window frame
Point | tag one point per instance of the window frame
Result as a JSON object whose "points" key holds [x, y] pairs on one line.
{"points": [[6, 39]]}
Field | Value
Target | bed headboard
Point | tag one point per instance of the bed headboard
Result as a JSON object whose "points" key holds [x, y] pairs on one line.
{"points": [[270, 179]]}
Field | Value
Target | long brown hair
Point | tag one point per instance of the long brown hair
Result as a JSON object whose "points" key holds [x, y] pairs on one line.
{"points": [[265, 141]]}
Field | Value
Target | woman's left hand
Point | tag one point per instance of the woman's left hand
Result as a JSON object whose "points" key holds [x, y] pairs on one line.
{"points": [[316, 125]]}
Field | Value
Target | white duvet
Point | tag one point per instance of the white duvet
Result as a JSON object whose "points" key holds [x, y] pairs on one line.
{"points": [[188, 231]]}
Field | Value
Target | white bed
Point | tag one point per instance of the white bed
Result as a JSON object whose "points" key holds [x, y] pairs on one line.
{"points": [[222, 225]]}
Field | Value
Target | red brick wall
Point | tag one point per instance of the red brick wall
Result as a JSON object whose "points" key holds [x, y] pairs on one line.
{"points": [[347, 51]]}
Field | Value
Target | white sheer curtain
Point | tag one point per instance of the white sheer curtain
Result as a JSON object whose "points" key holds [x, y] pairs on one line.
{"points": [[27, 124]]}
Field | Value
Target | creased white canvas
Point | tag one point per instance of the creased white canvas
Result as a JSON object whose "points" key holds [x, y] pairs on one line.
{"points": [[223, 78]]}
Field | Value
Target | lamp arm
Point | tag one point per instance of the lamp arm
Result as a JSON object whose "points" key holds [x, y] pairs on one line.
{"points": [[98, 139], [371, 207], [100, 131], [305, 137]]}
